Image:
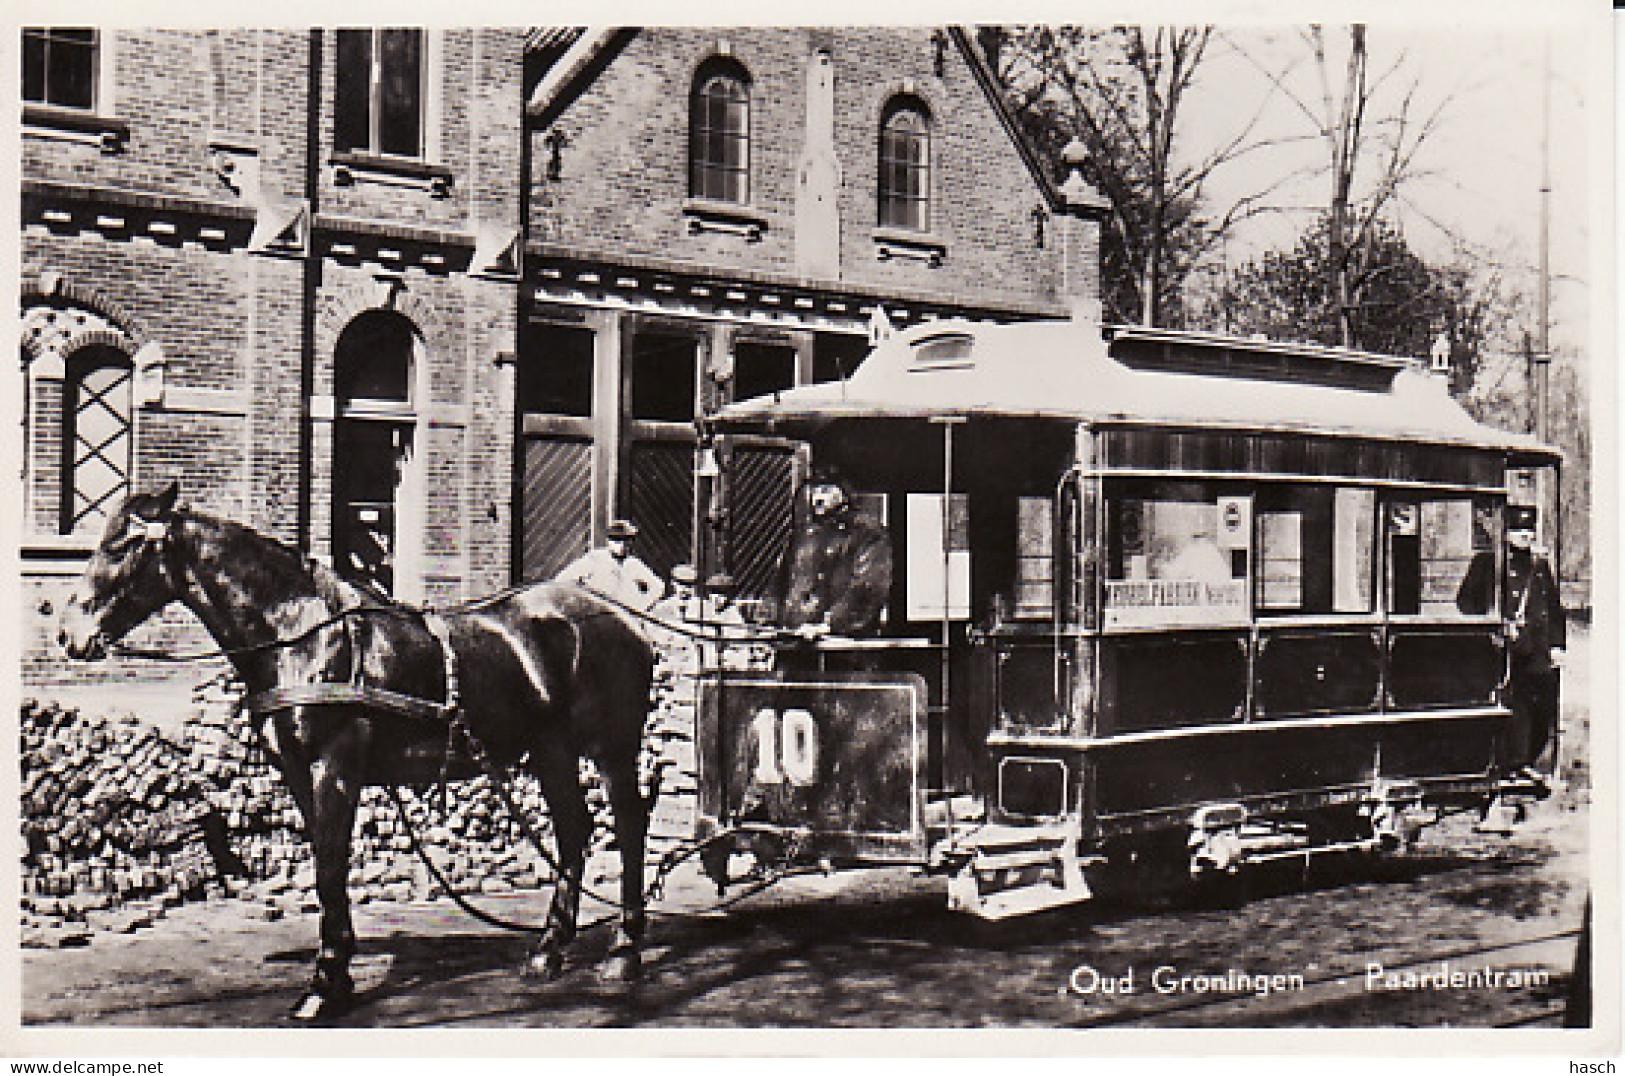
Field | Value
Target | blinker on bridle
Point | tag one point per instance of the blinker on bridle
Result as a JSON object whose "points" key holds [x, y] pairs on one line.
{"points": [[151, 530]]}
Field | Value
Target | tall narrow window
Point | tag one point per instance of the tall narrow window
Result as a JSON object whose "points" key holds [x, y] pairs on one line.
{"points": [[96, 438], [59, 67], [719, 136], [377, 479], [379, 104], [905, 167]]}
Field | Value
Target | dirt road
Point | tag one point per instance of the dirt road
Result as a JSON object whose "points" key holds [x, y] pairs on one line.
{"points": [[879, 950]]}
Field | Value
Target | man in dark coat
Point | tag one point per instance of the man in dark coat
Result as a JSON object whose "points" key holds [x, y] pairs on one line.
{"points": [[837, 576], [1537, 637]]}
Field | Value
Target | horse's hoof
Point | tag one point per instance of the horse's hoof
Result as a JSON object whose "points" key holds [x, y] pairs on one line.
{"points": [[314, 1006], [544, 967], [624, 967]]}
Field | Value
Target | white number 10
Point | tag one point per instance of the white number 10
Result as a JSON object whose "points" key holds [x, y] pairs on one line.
{"points": [[786, 747]]}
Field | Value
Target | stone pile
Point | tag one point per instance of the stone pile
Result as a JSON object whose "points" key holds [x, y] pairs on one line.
{"points": [[116, 825], [121, 821]]}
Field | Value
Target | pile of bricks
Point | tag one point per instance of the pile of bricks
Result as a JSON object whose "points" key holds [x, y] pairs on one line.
{"points": [[122, 821], [117, 825]]}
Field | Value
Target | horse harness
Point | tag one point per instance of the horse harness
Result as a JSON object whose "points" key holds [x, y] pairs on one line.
{"points": [[358, 692]]}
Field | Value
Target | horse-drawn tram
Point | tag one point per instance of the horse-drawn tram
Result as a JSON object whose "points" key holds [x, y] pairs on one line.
{"points": [[1156, 602], [1064, 607]]}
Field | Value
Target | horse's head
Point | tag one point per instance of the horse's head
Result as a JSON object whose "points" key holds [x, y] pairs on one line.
{"points": [[128, 577]]}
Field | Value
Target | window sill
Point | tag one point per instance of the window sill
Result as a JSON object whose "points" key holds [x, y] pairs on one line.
{"points": [[899, 243], [729, 218], [72, 125], [350, 168], [56, 554]]}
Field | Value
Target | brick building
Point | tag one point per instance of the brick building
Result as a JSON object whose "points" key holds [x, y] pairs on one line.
{"points": [[719, 213], [436, 305]]}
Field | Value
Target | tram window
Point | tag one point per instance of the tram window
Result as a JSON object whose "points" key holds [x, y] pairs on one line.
{"points": [[1166, 563], [1441, 554], [1035, 558], [939, 558], [1169, 537], [1316, 549]]}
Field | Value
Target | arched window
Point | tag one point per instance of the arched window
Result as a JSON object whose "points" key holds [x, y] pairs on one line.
{"points": [[377, 488], [96, 438], [904, 193], [719, 135]]}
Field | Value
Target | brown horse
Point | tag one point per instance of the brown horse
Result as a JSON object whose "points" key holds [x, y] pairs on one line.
{"points": [[544, 676]]}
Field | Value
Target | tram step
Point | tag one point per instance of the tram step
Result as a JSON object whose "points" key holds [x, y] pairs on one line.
{"points": [[1311, 850], [1024, 900], [1012, 861]]}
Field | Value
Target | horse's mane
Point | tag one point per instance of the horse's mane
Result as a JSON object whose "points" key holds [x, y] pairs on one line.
{"points": [[335, 591]]}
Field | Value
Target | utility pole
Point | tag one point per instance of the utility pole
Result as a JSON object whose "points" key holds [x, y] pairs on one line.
{"points": [[1543, 330]]}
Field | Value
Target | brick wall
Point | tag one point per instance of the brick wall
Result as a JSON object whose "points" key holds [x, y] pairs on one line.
{"points": [[237, 328], [624, 169]]}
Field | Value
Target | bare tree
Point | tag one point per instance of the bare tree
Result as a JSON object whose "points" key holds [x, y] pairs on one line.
{"points": [[1373, 127], [1122, 92]]}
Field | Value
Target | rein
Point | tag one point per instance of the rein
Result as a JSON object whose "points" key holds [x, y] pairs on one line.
{"points": [[151, 654], [714, 633], [356, 692]]}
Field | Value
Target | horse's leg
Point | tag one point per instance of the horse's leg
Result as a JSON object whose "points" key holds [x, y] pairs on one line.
{"points": [[327, 790], [337, 791], [560, 779], [631, 829]]}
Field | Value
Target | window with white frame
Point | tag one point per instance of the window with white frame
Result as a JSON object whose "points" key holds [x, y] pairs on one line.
{"points": [[904, 192], [378, 473], [380, 103], [59, 67], [719, 135]]}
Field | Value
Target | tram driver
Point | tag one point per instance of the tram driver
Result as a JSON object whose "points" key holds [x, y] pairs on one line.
{"points": [[838, 569], [1537, 636]]}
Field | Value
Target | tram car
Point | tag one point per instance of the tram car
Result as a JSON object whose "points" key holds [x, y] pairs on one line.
{"points": [[1157, 602]]}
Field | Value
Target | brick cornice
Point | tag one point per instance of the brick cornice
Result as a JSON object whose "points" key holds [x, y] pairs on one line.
{"points": [[42, 190], [176, 219], [545, 262]]}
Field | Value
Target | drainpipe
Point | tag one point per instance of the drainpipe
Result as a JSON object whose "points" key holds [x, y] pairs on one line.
{"points": [[311, 283], [516, 456]]}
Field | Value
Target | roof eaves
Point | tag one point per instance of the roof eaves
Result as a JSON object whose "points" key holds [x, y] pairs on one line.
{"points": [[544, 41], [1092, 204], [564, 74]]}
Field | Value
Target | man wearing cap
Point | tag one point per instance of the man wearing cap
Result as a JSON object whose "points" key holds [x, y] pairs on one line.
{"points": [[614, 572], [683, 601], [1536, 637], [838, 568]]}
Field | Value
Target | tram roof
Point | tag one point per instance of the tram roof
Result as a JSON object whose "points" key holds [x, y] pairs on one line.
{"points": [[1068, 370]]}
